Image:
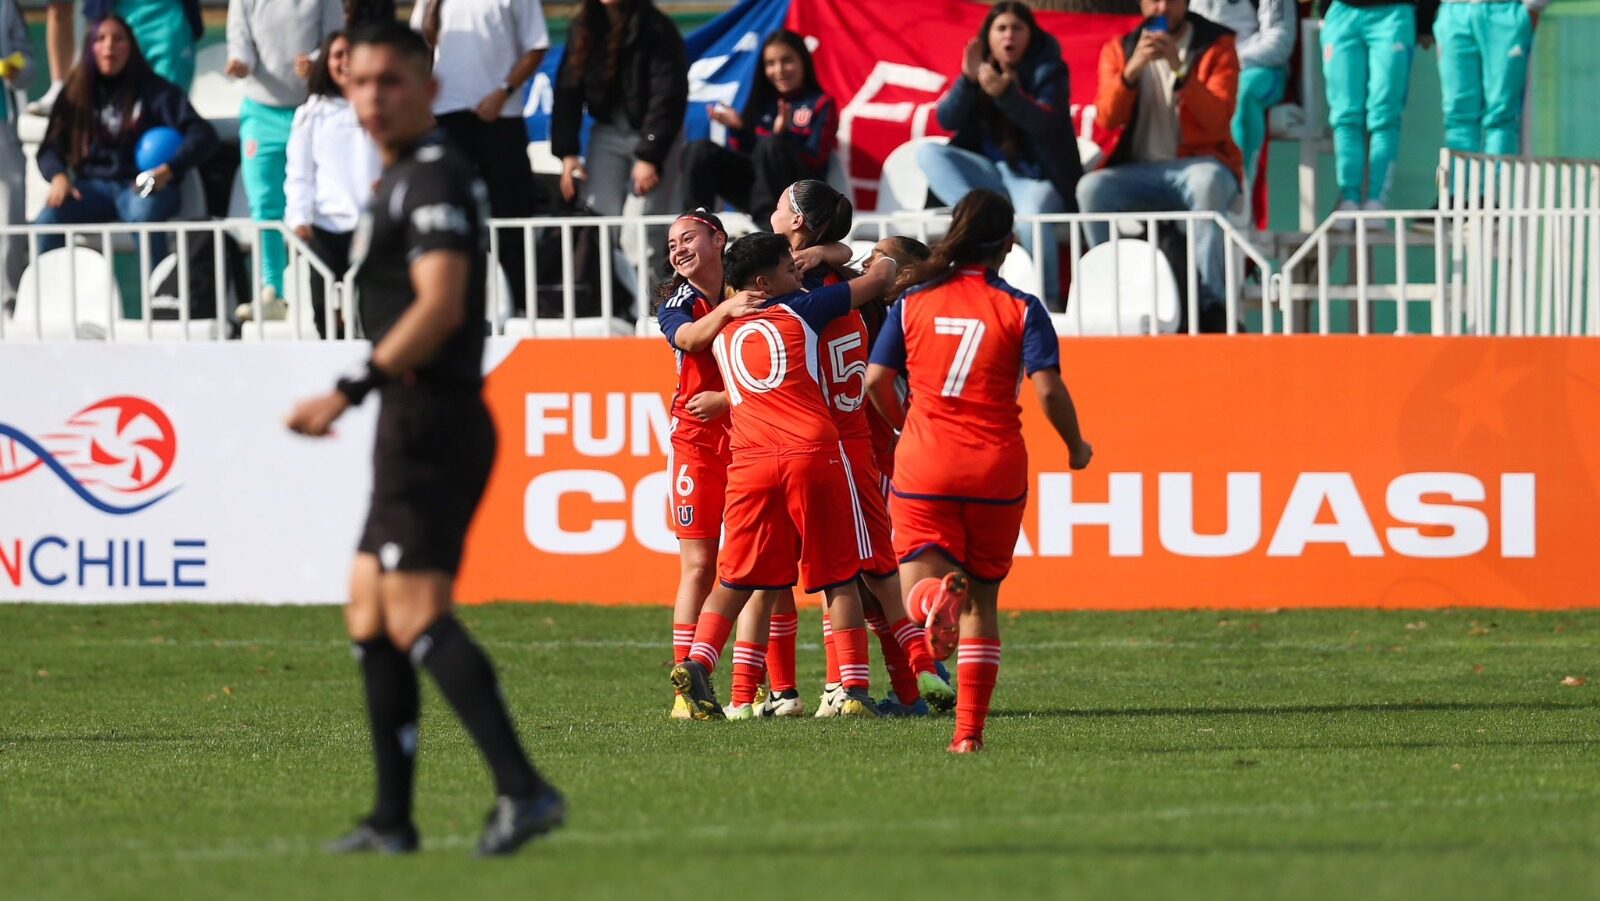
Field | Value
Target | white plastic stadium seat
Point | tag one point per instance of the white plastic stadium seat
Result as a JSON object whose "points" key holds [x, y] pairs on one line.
{"points": [[901, 184], [214, 95], [1019, 272], [1130, 263], [542, 160], [52, 275]]}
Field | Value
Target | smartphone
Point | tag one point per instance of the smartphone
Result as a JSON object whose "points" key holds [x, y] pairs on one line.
{"points": [[1158, 24]]}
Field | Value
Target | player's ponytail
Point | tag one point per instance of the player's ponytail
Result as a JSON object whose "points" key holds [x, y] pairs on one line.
{"points": [[980, 227], [826, 217]]}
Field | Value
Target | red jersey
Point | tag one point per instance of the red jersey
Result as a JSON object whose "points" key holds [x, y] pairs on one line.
{"points": [[697, 372], [844, 354], [769, 364], [965, 342]]}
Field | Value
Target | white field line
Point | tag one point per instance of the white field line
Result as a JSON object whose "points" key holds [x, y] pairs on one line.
{"points": [[968, 824]]}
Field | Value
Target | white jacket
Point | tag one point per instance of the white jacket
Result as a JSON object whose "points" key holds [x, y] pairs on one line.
{"points": [[332, 167], [1263, 29]]}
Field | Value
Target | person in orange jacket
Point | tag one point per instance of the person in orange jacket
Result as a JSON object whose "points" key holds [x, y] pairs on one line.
{"points": [[1169, 88]]}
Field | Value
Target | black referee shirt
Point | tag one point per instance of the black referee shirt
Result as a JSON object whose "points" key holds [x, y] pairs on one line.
{"points": [[430, 199]]}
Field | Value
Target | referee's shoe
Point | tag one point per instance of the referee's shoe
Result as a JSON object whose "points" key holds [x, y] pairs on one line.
{"points": [[512, 822]]}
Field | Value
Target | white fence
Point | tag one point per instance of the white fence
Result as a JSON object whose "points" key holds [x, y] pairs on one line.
{"points": [[1483, 267]]}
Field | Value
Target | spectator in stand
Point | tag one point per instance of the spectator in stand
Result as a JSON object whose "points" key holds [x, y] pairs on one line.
{"points": [[1484, 47], [87, 155], [626, 65], [13, 165], [484, 52], [1367, 46], [165, 30], [1263, 35], [785, 134], [267, 43], [1170, 85], [1010, 114], [332, 165]]}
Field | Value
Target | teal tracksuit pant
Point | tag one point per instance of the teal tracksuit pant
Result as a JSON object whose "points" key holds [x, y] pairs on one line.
{"points": [[1483, 72], [263, 166], [1366, 63], [164, 38]]}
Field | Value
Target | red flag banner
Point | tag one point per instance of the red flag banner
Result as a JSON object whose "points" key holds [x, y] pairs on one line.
{"points": [[887, 62]]}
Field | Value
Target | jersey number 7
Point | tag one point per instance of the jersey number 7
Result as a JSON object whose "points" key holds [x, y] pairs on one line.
{"points": [[971, 332]]}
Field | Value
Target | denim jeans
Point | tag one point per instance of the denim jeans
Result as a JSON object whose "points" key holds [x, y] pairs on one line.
{"points": [[952, 172], [1194, 183], [103, 200]]}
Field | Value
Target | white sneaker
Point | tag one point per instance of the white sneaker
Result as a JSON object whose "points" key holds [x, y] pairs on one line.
{"points": [[1377, 206], [832, 697], [784, 704], [46, 103], [1345, 226], [273, 308]]}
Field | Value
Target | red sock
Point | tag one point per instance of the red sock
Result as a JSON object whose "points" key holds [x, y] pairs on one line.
{"points": [[710, 636], [912, 641], [917, 600], [682, 640], [829, 651], [851, 647], [780, 652], [977, 669], [749, 665], [901, 674]]}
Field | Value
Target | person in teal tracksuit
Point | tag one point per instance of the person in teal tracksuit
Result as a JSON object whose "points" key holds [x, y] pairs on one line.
{"points": [[269, 45], [1483, 70], [166, 31], [1367, 47]]}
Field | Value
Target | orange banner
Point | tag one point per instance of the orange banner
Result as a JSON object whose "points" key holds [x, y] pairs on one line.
{"points": [[1242, 472]]}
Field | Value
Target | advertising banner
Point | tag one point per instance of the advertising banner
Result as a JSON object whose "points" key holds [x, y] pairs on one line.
{"points": [[1243, 472]]}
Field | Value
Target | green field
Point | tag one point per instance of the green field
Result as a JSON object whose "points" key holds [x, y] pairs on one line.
{"points": [[205, 752]]}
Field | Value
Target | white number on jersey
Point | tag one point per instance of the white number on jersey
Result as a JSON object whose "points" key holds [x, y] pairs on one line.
{"points": [[730, 356], [843, 372], [971, 332]]}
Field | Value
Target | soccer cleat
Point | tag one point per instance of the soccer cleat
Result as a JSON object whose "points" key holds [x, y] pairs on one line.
{"points": [[694, 685], [857, 704], [680, 708], [366, 838], [783, 703], [943, 599], [827, 707], [891, 706], [511, 822], [936, 691], [966, 746], [740, 712]]}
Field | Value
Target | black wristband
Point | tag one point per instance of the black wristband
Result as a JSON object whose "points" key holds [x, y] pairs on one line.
{"points": [[356, 389]]}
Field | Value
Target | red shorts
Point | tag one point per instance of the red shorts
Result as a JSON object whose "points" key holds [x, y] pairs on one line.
{"points": [[869, 494], [980, 538], [699, 477], [784, 508]]}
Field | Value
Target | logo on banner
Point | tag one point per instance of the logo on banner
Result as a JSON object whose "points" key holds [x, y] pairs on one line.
{"points": [[115, 455]]}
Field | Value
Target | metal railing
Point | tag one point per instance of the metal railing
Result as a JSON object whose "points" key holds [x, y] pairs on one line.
{"points": [[1488, 269]]}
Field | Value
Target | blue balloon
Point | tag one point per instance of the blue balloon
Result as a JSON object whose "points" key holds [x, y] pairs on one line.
{"points": [[157, 147]]}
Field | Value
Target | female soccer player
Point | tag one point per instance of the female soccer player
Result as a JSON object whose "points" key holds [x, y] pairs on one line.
{"points": [[815, 217], [692, 312], [964, 338]]}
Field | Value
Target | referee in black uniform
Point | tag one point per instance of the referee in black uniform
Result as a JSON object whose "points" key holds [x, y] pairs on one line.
{"points": [[421, 260]]}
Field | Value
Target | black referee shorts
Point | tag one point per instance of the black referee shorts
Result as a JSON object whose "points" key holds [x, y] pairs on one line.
{"points": [[431, 460]]}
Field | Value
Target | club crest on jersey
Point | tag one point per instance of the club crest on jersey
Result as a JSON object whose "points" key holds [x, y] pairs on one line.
{"points": [[685, 513], [802, 117]]}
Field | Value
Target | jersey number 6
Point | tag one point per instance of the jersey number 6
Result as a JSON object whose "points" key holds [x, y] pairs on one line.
{"points": [[971, 332]]}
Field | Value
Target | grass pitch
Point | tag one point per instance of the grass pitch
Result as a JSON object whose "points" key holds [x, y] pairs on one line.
{"points": [[177, 752]]}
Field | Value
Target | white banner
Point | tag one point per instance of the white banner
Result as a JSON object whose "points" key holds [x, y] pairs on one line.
{"points": [[164, 472]]}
